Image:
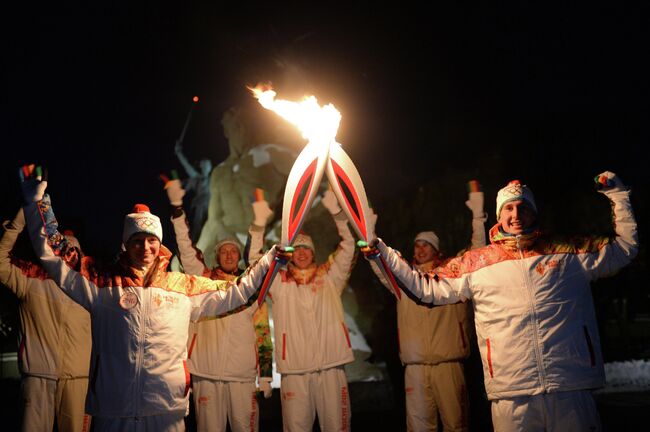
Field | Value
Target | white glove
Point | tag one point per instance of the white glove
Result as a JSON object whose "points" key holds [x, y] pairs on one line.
{"points": [[372, 222], [33, 189], [261, 212], [330, 202], [175, 192], [265, 387], [609, 182], [475, 204]]}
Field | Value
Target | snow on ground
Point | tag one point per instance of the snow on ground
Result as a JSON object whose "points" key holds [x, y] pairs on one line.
{"points": [[627, 376]]}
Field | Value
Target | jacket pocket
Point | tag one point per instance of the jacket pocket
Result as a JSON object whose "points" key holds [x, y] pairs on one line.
{"points": [[347, 334], [284, 346], [489, 357], [191, 348], [592, 354], [187, 379]]}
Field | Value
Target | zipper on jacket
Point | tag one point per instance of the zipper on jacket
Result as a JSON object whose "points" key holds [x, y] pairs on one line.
{"points": [[139, 360], [533, 312]]}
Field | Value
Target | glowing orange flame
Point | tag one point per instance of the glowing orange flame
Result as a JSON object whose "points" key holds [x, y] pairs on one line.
{"points": [[317, 123]]}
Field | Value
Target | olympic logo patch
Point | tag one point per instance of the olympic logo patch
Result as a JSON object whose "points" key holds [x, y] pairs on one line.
{"points": [[128, 300]]}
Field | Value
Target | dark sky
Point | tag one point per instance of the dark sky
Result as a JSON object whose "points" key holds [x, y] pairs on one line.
{"points": [[552, 95]]}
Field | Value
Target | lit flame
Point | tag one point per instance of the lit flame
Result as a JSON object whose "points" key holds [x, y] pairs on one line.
{"points": [[317, 123]]}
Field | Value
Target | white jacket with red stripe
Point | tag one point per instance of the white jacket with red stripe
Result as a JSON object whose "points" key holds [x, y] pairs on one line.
{"points": [[534, 313], [139, 331], [308, 322], [54, 339], [236, 347]]}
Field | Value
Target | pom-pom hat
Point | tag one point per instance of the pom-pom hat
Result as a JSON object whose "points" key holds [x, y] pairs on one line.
{"points": [[514, 191], [141, 220]]}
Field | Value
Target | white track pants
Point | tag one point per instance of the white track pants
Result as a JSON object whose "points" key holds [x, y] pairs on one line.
{"points": [[433, 389], [572, 411], [46, 399], [219, 402], [324, 393]]}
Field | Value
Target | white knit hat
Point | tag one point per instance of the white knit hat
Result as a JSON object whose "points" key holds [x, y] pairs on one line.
{"points": [[228, 240], [429, 237], [141, 220], [514, 191], [303, 240]]}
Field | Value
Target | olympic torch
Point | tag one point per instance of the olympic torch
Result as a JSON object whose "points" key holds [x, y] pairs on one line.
{"points": [[319, 126]]}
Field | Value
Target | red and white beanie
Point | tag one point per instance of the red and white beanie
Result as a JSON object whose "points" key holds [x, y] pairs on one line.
{"points": [[429, 237], [303, 240], [514, 191], [141, 220]]}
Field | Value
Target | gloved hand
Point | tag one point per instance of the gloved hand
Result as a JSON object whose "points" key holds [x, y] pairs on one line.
{"points": [[475, 200], [175, 192], [261, 212], [32, 184], [609, 182], [283, 253], [330, 202], [265, 387], [369, 250]]}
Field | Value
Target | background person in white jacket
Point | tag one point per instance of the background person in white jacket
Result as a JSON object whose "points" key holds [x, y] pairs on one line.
{"points": [[140, 317], [54, 341], [225, 355], [312, 343], [434, 341], [534, 313]]}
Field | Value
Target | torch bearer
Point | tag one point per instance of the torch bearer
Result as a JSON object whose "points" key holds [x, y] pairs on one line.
{"points": [[322, 153]]}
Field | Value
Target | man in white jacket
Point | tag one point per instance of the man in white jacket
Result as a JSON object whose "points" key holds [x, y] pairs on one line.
{"points": [[534, 313], [312, 343], [54, 341], [227, 354], [140, 317], [434, 341]]}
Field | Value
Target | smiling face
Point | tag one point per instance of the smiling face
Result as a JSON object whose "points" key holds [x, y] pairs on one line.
{"points": [[423, 252], [228, 257], [142, 249], [302, 257], [516, 217]]}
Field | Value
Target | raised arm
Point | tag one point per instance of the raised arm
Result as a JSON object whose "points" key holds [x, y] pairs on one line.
{"points": [[191, 171], [475, 204], [11, 275], [611, 255], [342, 261], [191, 257], [48, 244], [261, 215]]}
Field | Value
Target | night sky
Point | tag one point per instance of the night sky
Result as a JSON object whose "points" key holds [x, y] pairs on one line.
{"points": [[550, 95]]}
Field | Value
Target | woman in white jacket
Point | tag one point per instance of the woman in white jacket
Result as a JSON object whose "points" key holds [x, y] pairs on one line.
{"points": [[534, 313]]}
